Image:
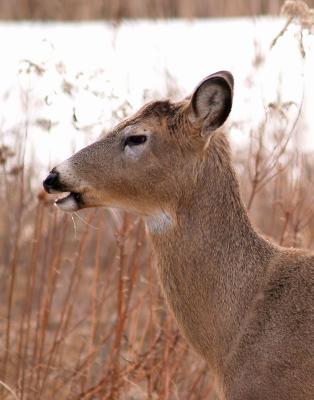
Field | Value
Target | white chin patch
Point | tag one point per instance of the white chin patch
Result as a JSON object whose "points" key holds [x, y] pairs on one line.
{"points": [[68, 203], [159, 223]]}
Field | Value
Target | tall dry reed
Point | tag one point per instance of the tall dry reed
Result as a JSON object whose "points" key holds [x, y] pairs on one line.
{"points": [[119, 9]]}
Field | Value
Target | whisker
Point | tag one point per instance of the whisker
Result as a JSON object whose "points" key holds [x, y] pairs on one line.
{"points": [[116, 217], [74, 224], [84, 222]]}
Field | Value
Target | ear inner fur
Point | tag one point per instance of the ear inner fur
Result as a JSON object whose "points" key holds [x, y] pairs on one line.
{"points": [[211, 102]]}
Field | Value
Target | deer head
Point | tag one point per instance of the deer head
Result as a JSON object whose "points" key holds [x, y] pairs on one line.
{"points": [[147, 162]]}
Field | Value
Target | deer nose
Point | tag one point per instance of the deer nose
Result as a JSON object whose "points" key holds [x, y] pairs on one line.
{"points": [[52, 183]]}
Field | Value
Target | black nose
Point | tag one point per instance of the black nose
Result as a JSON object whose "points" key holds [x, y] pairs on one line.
{"points": [[51, 183]]}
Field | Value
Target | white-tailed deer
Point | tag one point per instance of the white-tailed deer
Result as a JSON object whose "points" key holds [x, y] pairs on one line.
{"points": [[245, 304]]}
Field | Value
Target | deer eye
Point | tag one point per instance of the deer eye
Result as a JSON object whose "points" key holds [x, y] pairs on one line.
{"points": [[135, 140]]}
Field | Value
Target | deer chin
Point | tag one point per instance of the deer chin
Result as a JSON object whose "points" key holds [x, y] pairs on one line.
{"points": [[71, 202]]}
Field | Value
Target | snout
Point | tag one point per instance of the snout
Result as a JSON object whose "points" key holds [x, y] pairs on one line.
{"points": [[72, 201], [52, 183]]}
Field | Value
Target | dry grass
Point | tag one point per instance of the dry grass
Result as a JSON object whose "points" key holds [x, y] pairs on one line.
{"points": [[82, 318], [117, 9], [81, 314]]}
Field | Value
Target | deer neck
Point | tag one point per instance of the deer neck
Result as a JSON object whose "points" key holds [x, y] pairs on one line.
{"points": [[210, 258]]}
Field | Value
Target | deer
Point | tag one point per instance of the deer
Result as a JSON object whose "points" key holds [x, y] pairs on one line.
{"points": [[244, 303]]}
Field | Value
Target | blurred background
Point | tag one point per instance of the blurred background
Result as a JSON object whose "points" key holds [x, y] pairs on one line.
{"points": [[68, 10], [81, 313]]}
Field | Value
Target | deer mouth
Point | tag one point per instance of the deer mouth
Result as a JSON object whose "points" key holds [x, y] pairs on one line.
{"points": [[70, 202]]}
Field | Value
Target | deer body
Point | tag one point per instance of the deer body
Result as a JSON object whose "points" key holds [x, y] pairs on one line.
{"points": [[245, 304], [227, 289]]}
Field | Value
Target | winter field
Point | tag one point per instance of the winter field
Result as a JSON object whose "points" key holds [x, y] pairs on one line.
{"points": [[81, 314]]}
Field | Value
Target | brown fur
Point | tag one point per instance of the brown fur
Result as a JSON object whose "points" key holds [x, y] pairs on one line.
{"points": [[246, 305]]}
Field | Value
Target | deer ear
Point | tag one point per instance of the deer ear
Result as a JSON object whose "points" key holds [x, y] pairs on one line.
{"points": [[211, 102]]}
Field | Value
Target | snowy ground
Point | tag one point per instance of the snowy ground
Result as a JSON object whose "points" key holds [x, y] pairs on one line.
{"points": [[70, 81]]}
